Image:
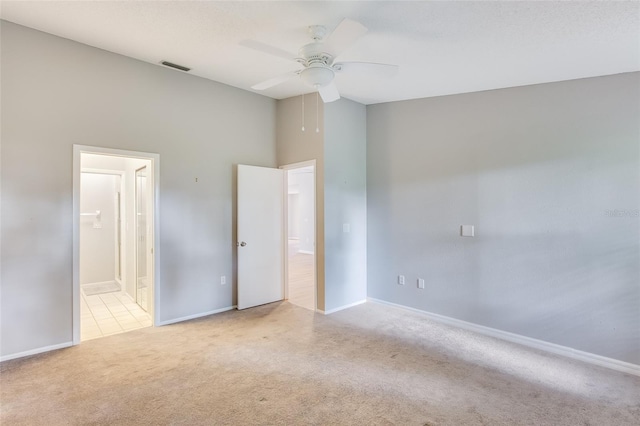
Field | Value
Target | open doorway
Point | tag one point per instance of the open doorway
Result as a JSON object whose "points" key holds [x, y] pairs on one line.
{"points": [[300, 229], [114, 238]]}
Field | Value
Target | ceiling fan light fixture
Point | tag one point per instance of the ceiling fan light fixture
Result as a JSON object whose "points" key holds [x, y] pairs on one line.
{"points": [[318, 60], [317, 75]]}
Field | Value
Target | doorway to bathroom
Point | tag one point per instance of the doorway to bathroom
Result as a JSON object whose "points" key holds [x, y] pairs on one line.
{"points": [[114, 239]]}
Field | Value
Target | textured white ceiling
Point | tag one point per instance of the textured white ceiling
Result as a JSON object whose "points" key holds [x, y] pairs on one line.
{"points": [[441, 47]]}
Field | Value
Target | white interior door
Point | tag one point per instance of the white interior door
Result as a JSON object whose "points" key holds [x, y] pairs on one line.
{"points": [[260, 236]]}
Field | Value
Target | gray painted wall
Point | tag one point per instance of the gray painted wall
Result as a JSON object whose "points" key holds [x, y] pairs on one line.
{"points": [[537, 170], [345, 202], [56, 93]]}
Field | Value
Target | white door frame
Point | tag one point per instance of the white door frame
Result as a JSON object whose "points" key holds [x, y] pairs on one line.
{"points": [[155, 172], [286, 168], [137, 238]]}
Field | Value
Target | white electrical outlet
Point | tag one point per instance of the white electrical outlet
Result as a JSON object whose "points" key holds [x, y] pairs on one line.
{"points": [[401, 279], [223, 280], [420, 283]]}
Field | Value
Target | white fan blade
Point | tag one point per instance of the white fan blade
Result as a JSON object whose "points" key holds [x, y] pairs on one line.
{"points": [[378, 70], [346, 33], [265, 48], [329, 93], [275, 81]]}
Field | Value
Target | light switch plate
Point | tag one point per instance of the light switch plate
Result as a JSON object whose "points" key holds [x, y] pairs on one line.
{"points": [[467, 230], [420, 282], [346, 228], [401, 279]]}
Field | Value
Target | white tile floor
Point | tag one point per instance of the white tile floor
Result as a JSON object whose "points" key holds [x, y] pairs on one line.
{"points": [[110, 313]]}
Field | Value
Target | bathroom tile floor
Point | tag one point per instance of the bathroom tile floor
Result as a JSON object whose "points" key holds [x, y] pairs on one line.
{"points": [[110, 313]]}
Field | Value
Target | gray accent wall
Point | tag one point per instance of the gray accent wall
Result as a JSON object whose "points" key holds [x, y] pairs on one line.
{"points": [[56, 93], [549, 175], [345, 203]]}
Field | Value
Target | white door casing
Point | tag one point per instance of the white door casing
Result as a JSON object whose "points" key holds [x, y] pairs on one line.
{"points": [[153, 227]]}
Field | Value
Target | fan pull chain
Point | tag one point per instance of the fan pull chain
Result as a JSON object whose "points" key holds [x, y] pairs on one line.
{"points": [[303, 113], [317, 123]]}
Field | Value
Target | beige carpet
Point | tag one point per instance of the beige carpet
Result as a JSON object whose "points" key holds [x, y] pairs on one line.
{"points": [[281, 364]]}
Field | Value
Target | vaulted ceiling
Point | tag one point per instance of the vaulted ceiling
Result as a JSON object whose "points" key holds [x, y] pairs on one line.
{"points": [[441, 48]]}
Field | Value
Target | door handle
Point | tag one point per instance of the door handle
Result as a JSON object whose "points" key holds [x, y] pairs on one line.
{"points": [[241, 244]]}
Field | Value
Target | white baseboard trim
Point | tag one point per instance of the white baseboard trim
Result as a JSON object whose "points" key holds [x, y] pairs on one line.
{"points": [[36, 351], [568, 352], [305, 252], [194, 316], [351, 305]]}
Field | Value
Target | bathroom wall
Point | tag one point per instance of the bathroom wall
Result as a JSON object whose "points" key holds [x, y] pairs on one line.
{"points": [[98, 232]]}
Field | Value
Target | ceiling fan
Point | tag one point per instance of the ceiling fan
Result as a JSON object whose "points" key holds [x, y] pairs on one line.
{"points": [[318, 59]]}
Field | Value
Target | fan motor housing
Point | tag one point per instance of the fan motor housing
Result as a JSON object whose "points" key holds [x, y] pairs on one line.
{"points": [[313, 53]]}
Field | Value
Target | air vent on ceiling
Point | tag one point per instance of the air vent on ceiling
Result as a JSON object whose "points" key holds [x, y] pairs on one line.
{"points": [[176, 66]]}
